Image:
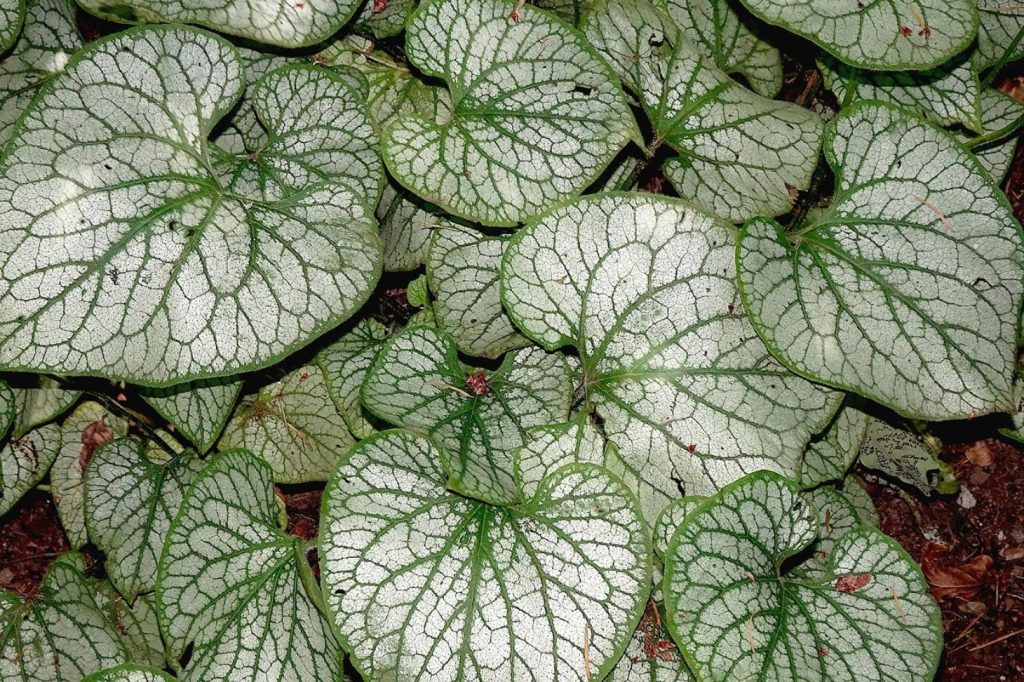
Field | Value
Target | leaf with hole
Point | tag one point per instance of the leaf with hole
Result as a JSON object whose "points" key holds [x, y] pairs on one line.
{"points": [[126, 258], [643, 288], [237, 589], [425, 583], [739, 614], [476, 416], [536, 115], [738, 154], [906, 288]]}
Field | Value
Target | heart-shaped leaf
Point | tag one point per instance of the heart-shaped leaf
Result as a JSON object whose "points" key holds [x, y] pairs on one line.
{"points": [[738, 615], [884, 35], [425, 583], [833, 452], [907, 288], [81, 434], [125, 258], [285, 23], [130, 501], [739, 154], [38, 400], [198, 409], [477, 417], [726, 33], [310, 126], [12, 14], [294, 425], [345, 364], [643, 287], [24, 462], [47, 40], [130, 673], [63, 633], [837, 516], [463, 268], [948, 94], [236, 587], [536, 113]]}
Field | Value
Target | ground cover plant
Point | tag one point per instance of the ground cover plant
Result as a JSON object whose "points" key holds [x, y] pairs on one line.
{"points": [[588, 336]]}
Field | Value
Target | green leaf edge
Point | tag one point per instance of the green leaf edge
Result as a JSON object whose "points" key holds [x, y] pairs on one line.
{"points": [[215, 118], [103, 675], [972, 34], [545, 483], [830, 131], [935, 621]]}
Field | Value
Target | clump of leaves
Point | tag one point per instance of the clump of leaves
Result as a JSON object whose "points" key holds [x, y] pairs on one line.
{"points": [[608, 434]]}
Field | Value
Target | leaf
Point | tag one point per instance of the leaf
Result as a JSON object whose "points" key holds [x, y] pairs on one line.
{"points": [[406, 224], [7, 407], [837, 516], [12, 14], [284, 23], [383, 18], [293, 425], [651, 655], [536, 115], [999, 23], [310, 127], [737, 616], [236, 587], [238, 283], [833, 452], [425, 583], [198, 409], [130, 673], [550, 447], [726, 33], [463, 267], [643, 287], [62, 633], [947, 94], [477, 417], [739, 154], [135, 623], [393, 90], [906, 289], [670, 518], [886, 35], [86, 429], [345, 364], [129, 504], [48, 39], [998, 112], [900, 454], [24, 462], [570, 11], [39, 400]]}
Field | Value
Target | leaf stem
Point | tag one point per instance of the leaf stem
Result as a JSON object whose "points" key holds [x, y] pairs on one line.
{"points": [[995, 135], [1003, 58]]}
